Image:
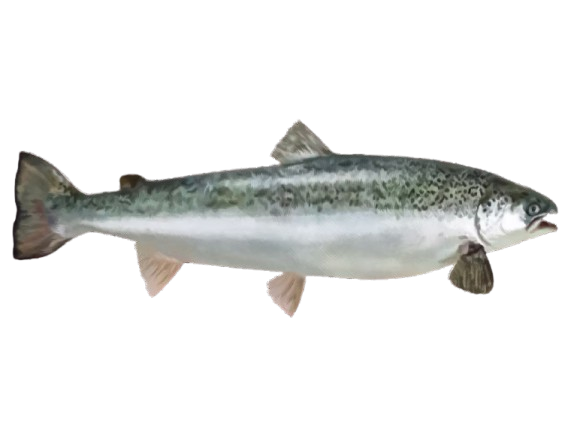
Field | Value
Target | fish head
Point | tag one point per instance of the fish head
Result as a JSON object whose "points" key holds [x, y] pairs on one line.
{"points": [[510, 213]]}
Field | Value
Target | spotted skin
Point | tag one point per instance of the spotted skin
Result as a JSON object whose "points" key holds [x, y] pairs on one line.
{"points": [[325, 184]]}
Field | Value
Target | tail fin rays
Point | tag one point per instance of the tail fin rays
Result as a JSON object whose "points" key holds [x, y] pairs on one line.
{"points": [[34, 228]]}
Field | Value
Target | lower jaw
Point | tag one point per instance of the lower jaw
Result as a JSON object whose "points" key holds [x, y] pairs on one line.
{"points": [[540, 225]]}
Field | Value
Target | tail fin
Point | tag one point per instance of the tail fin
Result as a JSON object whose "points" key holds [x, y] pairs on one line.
{"points": [[35, 233]]}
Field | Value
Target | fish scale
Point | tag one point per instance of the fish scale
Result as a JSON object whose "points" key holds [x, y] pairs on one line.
{"points": [[325, 184]]}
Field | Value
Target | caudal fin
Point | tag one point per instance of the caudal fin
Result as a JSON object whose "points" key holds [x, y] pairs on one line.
{"points": [[36, 226]]}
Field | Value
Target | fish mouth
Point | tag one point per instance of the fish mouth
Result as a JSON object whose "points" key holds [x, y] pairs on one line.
{"points": [[538, 224]]}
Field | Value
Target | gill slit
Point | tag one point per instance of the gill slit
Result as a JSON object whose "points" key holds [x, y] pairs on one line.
{"points": [[478, 228]]}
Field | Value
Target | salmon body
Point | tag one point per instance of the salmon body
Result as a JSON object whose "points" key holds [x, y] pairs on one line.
{"points": [[317, 213]]}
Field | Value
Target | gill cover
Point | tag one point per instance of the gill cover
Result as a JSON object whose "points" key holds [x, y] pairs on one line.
{"points": [[490, 213]]}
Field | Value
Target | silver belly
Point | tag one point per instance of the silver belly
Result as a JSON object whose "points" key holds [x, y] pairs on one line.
{"points": [[362, 246]]}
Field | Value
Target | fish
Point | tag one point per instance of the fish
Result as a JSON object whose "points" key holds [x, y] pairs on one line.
{"points": [[317, 213]]}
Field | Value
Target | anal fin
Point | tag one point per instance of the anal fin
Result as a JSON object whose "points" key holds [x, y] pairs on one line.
{"points": [[472, 272], [156, 269], [286, 291]]}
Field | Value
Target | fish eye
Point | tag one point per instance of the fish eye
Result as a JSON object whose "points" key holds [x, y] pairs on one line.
{"points": [[533, 209]]}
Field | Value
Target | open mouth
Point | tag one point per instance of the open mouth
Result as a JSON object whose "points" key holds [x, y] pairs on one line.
{"points": [[540, 224]]}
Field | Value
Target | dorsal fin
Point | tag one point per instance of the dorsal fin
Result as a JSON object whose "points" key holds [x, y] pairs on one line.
{"points": [[131, 181], [299, 143]]}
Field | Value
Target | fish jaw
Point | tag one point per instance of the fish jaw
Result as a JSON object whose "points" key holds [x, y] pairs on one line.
{"points": [[539, 226]]}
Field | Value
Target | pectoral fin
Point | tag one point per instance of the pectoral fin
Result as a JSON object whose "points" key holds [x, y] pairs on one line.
{"points": [[156, 269], [472, 272], [286, 291]]}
